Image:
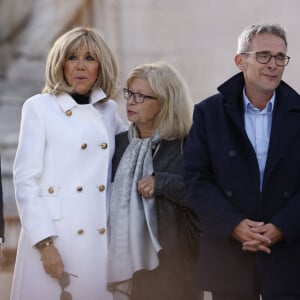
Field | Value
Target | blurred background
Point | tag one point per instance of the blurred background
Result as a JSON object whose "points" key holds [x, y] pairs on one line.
{"points": [[198, 37]]}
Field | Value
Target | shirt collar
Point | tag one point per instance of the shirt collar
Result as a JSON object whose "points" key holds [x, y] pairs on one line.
{"points": [[248, 106]]}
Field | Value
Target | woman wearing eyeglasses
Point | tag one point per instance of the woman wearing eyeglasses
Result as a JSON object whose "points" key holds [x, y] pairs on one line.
{"points": [[153, 234]]}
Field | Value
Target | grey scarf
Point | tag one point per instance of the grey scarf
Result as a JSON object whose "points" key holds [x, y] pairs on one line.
{"points": [[133, 243]]}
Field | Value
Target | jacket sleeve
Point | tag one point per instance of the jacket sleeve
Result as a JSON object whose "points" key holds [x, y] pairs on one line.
{"points": [[287, 219], [28, 167], [167, 165], [217, 215], [170, 186]]}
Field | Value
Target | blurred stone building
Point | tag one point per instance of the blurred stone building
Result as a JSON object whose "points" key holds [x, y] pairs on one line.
{"points": [[197, 36]]}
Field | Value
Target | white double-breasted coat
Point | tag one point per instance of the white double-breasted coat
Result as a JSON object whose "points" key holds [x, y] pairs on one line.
{"points": [[61, 176]]}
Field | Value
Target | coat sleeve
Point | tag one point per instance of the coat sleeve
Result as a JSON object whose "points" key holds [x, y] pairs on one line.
{"points": [[170, 186], [167, 165], [28, 167], [287, 219], [217, 215]]}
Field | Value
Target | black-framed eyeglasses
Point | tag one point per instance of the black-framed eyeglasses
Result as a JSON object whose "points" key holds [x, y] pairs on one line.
{"points": [[64, 281], [264, 57], [137, 97]]}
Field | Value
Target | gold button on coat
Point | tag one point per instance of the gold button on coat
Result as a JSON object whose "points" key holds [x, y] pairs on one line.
{"points": [[104, 145], [79, 189], [101, 230], [50, 190], [101, 188], [69, 112], [84, 146], [80, 231]]}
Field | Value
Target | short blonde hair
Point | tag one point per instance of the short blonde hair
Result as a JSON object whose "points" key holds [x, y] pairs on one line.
{"points": [[66, 45], [174, 119]]}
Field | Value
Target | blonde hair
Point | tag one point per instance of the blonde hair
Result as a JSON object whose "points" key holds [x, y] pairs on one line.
{"points": [[175, 118], [66, 45]]}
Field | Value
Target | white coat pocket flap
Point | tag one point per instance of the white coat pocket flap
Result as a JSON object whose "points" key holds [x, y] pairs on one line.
{"points": [[49, 190]]}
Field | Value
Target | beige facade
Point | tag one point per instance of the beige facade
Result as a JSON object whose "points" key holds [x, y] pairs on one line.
{"points": [[199, 37]]}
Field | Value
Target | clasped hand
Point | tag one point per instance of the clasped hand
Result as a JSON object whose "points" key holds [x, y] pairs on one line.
{"points": [[145, 186], [257, 236]]}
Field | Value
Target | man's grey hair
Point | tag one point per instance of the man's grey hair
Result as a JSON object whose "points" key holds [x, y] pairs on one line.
{"points": [[246, 37]]}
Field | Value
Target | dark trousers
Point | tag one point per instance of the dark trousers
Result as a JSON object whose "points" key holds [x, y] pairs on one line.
{"points": [[220, 296]]}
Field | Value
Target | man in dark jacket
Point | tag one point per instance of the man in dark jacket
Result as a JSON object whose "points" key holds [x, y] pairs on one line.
{"points": [[242, 176], [1, 219]]}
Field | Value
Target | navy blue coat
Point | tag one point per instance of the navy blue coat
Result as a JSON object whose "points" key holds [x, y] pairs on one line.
{"points": [[222, 183]]}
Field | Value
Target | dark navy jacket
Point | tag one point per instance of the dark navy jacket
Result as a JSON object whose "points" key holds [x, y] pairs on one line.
{"points": [[222, 183]]}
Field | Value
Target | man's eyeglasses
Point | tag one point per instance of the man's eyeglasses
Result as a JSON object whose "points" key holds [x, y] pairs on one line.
{"points": [[264, 57], [137, 97], [64, 281]]}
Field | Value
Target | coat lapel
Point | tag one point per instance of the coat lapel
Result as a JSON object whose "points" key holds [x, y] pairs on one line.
{"points": [[232, 90], [235, 111], [285, 126]]}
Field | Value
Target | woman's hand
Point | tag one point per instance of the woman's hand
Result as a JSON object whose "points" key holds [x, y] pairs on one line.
{"points": [[52, 261], [146, 186]]}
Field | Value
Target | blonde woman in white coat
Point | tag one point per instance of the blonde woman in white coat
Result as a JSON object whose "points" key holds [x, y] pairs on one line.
{"points": [[62, 171]]}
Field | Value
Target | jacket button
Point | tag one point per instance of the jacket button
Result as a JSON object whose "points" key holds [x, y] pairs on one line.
{"points": [[50, 190], [80, 231], [79, 189], [101, 188], [103, 146], [84, 146], [286, 195], [229, 194], [232, 153], [101, 230], [69, 112]]}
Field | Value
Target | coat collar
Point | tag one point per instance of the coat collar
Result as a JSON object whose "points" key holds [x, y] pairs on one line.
{"points": [[66, 102], [285, 122], [287, 99], [232, 91]]}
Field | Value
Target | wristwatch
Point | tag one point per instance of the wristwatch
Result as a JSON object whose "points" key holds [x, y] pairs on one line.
{"points": [[44, 243]]}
